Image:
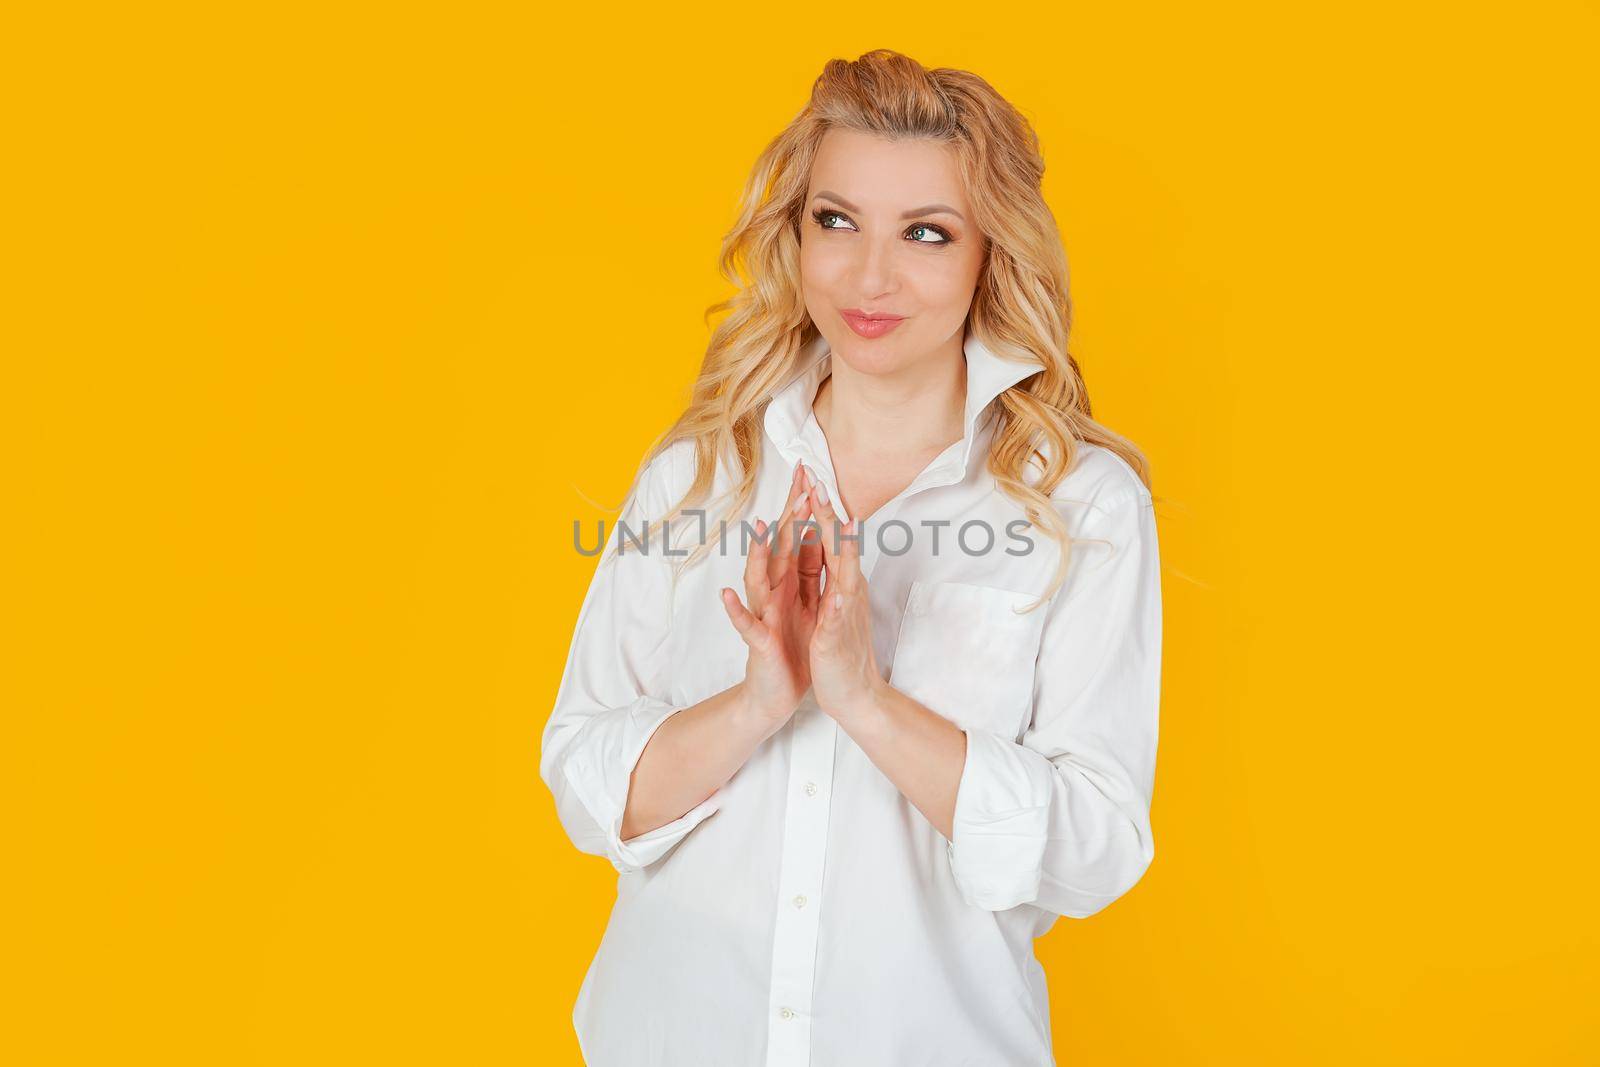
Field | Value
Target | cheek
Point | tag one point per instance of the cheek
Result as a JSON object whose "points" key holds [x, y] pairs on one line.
{"points": [[822, 264], [944, 281]]}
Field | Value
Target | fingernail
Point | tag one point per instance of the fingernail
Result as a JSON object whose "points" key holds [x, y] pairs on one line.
{"points": [[822, 491]]}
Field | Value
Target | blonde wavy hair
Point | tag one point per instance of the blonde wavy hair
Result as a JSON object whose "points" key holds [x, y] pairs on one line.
{"points": [[1021, 308]]}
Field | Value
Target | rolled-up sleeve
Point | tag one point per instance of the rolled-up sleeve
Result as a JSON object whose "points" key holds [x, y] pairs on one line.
{"points": [[1061, 818], [613, 692]]}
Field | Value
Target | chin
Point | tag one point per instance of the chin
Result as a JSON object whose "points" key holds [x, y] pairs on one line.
{"points": [[878, 355]]}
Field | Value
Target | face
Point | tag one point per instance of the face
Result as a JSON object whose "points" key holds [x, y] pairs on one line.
{"points": [[886, 231]]}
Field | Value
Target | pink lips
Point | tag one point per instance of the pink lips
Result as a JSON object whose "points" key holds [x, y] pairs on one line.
{"points": [[870, 325]]}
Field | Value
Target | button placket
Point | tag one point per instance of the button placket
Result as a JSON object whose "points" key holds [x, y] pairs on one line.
{"points": [[813, 736]]}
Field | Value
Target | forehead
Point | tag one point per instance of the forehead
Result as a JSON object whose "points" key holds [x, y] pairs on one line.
{"points": [[889, 175]]}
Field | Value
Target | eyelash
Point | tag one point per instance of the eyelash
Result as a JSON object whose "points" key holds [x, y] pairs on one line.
{"points": [[817, 216]]}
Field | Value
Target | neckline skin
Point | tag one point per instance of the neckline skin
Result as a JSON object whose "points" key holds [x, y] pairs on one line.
{"points": [[792, 425], [789, 408]]}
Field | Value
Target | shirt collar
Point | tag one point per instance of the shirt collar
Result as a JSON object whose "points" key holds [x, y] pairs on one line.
{"points": [[988, 375]]}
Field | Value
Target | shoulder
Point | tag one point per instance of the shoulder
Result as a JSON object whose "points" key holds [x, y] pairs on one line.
{"points": [[1099, 482], [658, 483], [666, 476], [1109, 513]]}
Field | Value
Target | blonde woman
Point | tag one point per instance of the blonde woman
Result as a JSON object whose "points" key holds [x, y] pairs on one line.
{"points": [[863, 695]]}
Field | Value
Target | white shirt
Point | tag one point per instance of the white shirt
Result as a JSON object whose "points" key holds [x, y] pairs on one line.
{"points": [[807, 913]]}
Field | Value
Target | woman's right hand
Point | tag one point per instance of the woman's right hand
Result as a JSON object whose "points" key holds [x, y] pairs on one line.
{"points": [[783, 587]]}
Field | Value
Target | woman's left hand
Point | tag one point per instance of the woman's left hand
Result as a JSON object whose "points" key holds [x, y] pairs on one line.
{"points": [[844, 669]]}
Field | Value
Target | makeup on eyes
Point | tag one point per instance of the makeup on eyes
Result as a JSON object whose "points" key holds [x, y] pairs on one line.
{"points": [[821, 213]]}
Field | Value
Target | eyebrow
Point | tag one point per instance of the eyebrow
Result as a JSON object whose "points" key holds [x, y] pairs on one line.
{"points": [[931, 209]]}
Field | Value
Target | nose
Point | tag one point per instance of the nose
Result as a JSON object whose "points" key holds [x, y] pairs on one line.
{"points": [[875, 268]]}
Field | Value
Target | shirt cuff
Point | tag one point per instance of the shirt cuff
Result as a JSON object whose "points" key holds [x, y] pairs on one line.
{"points": [[1002, 822], [600, 768]]}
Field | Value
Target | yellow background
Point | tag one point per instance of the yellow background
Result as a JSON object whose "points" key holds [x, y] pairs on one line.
{"points": [[323, 323]]}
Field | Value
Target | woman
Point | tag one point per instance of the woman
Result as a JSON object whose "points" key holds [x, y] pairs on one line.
{"points": [[851, 763]]}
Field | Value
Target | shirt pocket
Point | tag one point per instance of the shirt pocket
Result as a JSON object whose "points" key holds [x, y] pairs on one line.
{"points": [[965, 653]]}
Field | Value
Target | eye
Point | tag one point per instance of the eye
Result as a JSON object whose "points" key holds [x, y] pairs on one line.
{"points": [[924, 227], [823, 218], [821, 215]]}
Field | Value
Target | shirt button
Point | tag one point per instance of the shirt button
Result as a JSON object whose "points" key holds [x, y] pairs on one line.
{"points": [[811, 789], [787, 1013], [800, 901]]}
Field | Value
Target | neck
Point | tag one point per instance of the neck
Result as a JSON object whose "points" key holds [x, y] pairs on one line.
{"points": [[917, 410]]}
